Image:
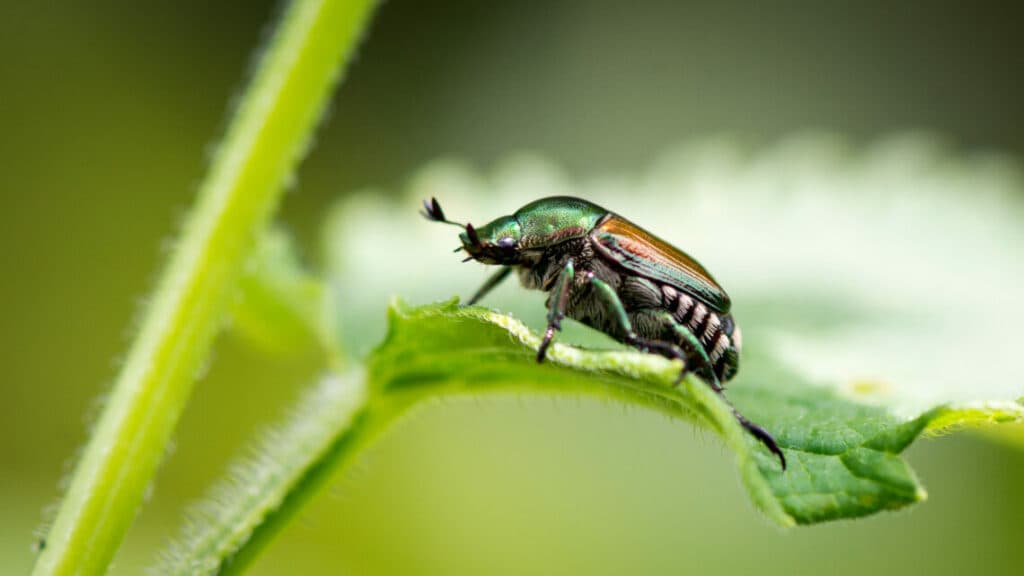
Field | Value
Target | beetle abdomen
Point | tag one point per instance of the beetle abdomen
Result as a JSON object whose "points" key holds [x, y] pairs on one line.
{"points": [[718, 334]]}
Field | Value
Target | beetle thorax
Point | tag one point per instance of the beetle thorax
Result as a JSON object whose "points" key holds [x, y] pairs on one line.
{"points": [[537, 269]]}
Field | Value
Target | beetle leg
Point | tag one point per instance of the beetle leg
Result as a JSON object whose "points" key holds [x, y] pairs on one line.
{"points": [[612, 300], [707, 374], [667, 349], [556, 311], [704, 370], [764, 436], [698, 362], [489, 285]]}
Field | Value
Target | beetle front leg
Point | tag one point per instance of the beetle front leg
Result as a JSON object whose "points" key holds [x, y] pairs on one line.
{"points": [[557, 305], [489, 285]]}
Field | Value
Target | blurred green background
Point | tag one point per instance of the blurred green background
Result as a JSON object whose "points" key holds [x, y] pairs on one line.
{"points": [[108, 109]]}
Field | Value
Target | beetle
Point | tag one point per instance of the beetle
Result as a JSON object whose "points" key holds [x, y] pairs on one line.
{"points": [[608, 273]]}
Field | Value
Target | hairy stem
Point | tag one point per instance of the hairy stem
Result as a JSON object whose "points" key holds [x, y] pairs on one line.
{"points": [[269, 133]]}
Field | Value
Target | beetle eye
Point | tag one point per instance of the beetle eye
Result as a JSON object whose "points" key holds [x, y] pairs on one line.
{"points": [[506, 242]]}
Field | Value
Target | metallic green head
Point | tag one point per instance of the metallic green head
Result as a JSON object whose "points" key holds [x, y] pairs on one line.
{"points": [[533, 227], [496, 242]]}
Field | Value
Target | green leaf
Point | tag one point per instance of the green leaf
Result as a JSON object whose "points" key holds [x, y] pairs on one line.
{"points": [[844, 458]]}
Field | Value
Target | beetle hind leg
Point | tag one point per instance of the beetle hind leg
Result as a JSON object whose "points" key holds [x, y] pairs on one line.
{"points": [[666, 349], [764, 436], [677, 342], [705, 371], [673, 351]]}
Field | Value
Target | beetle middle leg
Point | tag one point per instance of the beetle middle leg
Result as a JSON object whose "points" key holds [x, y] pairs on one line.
{"points": [[629, 335], [557, 305], [694, 356]]}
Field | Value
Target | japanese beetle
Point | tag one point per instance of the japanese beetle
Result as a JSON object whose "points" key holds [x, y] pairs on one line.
{"points": [[608, 273]]}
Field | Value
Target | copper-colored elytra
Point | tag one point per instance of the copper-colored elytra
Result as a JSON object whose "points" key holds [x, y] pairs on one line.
{"points": [[643, 244]]}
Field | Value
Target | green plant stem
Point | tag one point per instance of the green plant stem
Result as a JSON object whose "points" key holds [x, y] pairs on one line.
{"points": [[267, 136]]}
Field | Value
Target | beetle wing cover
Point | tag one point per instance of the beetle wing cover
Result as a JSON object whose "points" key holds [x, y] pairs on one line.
{"points": [[643, 253]]}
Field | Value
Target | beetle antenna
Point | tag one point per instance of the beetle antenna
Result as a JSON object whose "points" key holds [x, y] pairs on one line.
{"points": [[432, 211]]}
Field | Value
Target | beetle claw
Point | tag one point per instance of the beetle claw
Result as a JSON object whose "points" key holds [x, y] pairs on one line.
{"points": [[763, 436], [542, 350], [679, 378]]}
